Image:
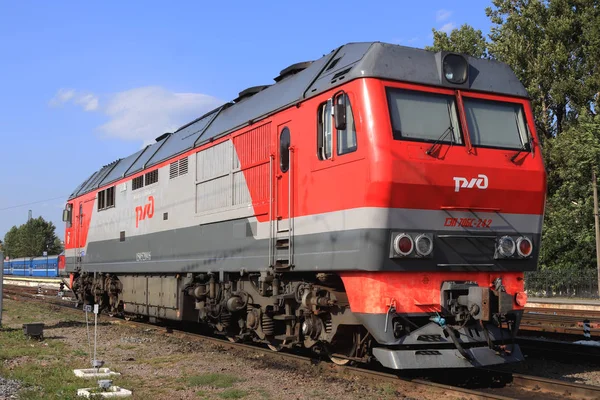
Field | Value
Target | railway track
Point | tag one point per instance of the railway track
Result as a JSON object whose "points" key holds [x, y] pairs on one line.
{"points": [[490, 384], [569, 322]]}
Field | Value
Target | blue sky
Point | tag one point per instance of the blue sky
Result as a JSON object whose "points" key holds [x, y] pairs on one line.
{"points": [[85, 83]]}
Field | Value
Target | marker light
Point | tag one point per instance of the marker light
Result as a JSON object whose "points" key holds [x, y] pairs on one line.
{"points": [[423, 245], [403, 244], [506, 246], [524, 246], [455, 68]]}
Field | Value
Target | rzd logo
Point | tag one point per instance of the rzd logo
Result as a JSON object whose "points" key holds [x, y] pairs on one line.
{"points": [[143, 212], [481, 182]]}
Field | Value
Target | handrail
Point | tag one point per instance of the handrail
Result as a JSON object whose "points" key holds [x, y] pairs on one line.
{"points": [[271, 250], [290, 176]]}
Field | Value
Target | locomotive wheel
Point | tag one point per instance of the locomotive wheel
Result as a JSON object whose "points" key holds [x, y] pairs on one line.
{"points": [[343, 345], [275, 345], [338, 360]]}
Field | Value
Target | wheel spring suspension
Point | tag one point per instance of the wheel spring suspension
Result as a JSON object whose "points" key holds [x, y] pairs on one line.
{"points": [[267, 325], [328, 326], [226, 319]]}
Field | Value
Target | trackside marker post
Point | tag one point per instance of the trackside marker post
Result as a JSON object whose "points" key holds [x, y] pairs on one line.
{"points": [[586, 329]]}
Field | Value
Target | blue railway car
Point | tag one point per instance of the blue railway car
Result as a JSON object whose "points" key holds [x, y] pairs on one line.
{"points": [[34, 266]]}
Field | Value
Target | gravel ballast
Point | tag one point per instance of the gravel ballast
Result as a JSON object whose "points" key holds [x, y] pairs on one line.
{"points": [[8, 389]]}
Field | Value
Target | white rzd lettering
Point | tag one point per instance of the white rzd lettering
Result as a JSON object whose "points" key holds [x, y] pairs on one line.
{"points": [[481, 182]]}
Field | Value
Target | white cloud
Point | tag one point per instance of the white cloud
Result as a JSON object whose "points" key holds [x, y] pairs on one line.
{"points": [[147, 112], [88, 101], [62, 96], [142, 113], [442, 15], [448, 27]]}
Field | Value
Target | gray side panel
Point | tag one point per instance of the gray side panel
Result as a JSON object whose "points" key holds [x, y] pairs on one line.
{"points": [[224, 246]]}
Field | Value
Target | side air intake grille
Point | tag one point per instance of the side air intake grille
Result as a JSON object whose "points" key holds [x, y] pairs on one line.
{"points": [[177, 168], [183, 166], [173, 170]]}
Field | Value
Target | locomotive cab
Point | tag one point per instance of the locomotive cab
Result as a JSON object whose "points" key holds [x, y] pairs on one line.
{"points": [[460, 175]]}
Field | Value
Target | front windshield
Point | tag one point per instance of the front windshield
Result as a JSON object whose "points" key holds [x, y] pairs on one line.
{"points": [[423, 116], [496, 124]]}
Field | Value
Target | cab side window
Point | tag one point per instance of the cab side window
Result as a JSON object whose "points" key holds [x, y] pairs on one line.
{"points": [[324, 131], [346, 138], [346, 132]]}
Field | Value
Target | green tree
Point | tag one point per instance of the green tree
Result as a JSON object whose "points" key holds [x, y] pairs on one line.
{"points": [[32, 239], [466, 40], [568, 240], [552, 45]]}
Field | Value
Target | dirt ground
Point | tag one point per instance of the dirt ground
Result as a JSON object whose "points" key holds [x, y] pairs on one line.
{"points": [[155, 365]]}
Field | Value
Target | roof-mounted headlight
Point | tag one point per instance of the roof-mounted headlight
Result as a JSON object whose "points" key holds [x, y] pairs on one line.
{"points": [[455, 68]]}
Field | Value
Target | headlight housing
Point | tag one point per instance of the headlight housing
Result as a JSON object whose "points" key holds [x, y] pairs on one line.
{"points": [[455, 68], [411, 245], [403, 244], [506, 246], [524, 246], [423, 245]]}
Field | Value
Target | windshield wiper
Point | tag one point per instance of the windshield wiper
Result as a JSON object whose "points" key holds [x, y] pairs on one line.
{"points": [[526, 147], [442, 136]]}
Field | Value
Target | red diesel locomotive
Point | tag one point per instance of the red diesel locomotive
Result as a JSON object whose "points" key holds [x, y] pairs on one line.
{"points": [[379, 203]]}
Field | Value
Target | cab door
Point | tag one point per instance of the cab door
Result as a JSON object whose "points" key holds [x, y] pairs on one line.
{"points": [[284, 198], [283, 171]]}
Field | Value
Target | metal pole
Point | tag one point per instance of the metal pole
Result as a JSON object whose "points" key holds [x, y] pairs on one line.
{"points": [[1, 283], [597, 225], [271, 249], [290, 179]]}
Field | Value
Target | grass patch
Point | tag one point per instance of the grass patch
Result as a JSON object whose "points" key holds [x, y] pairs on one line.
{"points": [[389, 391], [80, 353], [233, 394], [221, 381]]}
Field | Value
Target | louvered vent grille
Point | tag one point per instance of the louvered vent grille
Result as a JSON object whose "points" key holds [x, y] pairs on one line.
{"points": [[151, 177], [183, 166], [137, 182], [179, 167], [173, 170]]}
